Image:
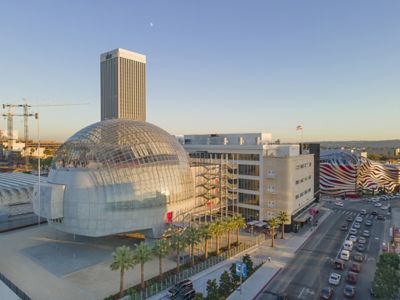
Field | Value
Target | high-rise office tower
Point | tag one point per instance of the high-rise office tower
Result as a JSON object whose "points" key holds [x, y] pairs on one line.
{"points": [[123, 85]]}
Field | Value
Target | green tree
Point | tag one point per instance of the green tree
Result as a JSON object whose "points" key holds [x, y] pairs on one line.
{"points": [[122, 260], [192, 236], [283, 218], [206, 235], [234, 276], [226, 285], [212, 290], [142, 254], [387, 278], [239, 224], [230, 224], [249, 263], [217, 229], [199, 296], [273, 223], [178, 243], [161, 249]]}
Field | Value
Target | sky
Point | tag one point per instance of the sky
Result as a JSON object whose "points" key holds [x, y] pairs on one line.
{"points": [[212, 66]]}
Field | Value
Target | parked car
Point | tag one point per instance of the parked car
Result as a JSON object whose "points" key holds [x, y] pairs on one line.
{"points": [[377, 204], [345, 255], [339, 264], [348, 245], [349, 219], [356, 267], [363, 212], [344, 227], [380, 217], [349, 291], [366, 233], [358, 257], [374, 213], [180, 286], [357, 225], [384, 207], [351, 277], [353, 238], [353, 231], [326, 293], [368, 223], [334, 278], [359, 219], [362, 240], [360, 247]]}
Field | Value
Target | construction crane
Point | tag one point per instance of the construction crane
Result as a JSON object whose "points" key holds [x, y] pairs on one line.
{"points": [[9, 115]]}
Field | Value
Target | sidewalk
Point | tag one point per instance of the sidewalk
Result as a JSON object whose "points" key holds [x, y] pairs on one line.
{"points": [[280, 256]]}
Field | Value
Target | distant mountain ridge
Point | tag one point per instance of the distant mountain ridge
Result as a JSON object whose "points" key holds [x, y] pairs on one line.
{"points": [[362, 144]]}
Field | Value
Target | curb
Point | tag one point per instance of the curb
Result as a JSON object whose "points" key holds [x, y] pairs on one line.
{"points": [[262, 289]]}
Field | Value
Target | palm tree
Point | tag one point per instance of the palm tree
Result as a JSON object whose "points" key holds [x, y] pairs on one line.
{"points": [[142, 254], [122, 260], [206, 235], [283, 218], [192, 236], [230, 224], [273, 223], [217, 230], [178, 243], [239, 224], [161, 249]]}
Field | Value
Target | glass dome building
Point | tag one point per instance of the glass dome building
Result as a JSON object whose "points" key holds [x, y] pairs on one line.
{"points": [[116, 176]]}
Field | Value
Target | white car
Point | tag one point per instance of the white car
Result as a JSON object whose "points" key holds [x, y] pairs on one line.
{"points": [[359, 219], [353, 238], [338, 203], [353, 231], [335, 278], [384, 207], [378, 204], [357, 225], [345, 255], [375, 200]]}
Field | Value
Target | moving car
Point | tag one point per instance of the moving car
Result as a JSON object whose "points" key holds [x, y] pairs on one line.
{"points": [[186, 294], [385, 207], [380, 217], [339, 203], [349, 291], [362, 240], [353, 238], [360, 247], [358, 257], [334, 278], [366, 233], [180, 286], [363, 212], [368, 223], [378, 204], [345, 255], [356, 267], [351, 277], [326, 293], [349, 219], [353, 231]]}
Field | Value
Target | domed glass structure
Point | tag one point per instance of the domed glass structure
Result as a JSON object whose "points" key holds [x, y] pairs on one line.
{"points": [[116, 176]]}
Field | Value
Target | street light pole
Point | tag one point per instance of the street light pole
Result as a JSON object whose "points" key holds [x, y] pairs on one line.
{"points": [[38, 154]]}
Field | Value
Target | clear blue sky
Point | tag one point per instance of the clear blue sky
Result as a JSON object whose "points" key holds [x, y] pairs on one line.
{"points": [[212, 66]]}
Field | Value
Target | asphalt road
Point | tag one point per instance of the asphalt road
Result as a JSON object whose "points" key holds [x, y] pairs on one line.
{"points": [[310, 269]]}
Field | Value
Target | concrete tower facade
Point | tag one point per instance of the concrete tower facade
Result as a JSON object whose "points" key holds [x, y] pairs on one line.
{"points": [[123, 85]]}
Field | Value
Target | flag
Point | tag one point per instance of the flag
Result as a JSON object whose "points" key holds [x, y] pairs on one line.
{"points": [[299, 127]]}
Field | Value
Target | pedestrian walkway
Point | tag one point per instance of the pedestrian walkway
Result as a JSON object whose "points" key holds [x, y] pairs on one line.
{"points": [[280, 256]]}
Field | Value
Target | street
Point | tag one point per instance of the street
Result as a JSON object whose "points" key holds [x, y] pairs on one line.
{"points": [[308, 272]]}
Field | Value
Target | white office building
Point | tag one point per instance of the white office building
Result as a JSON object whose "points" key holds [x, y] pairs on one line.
{"points": [[271, 177], [123, 85]]}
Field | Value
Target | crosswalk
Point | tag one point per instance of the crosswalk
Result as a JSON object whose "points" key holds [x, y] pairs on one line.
{"points": [[351, 213]]}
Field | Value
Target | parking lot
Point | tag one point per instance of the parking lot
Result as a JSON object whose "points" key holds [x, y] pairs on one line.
{"points": [[308, 273]]}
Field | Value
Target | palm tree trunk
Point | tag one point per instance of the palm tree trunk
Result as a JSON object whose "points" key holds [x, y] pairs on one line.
{"points": [[177, 260], [121, 283], [206, 249], [272, 237], [142, 276], [283, 229], [160, 267], [237, 237], [217, 245], [229, 240], [192, 250]]}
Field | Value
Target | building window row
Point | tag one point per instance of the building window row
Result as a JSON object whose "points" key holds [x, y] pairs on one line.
{"points": [[302, 166], [303, 179], [249, 184], [249, 199], [249, 214], [303, 193], [230, 156], [252, 170], [248, 156]]}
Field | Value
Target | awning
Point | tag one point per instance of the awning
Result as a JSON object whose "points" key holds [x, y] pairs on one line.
{"points": [[304, 216]]}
